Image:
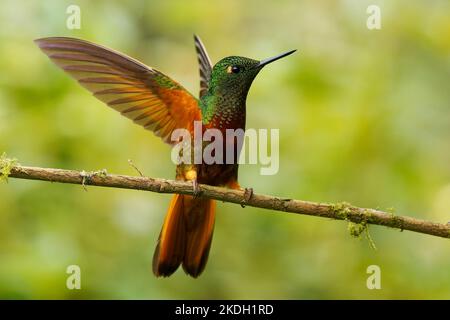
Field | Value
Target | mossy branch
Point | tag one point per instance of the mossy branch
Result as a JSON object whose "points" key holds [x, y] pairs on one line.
{"points": [[358, 218], [6, 165]]}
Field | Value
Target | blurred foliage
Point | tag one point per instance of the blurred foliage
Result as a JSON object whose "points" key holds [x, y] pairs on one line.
{"points": [[364, 117]]}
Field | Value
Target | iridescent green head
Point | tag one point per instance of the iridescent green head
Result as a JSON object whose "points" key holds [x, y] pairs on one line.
{"points": [[235, 74]]}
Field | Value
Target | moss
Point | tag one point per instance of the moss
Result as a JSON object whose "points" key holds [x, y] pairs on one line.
{"points": [[356, 229], [101, 173], [86, 176], [391, 210], [6, 165], [397, 223], [342, 210], [369, 238]]}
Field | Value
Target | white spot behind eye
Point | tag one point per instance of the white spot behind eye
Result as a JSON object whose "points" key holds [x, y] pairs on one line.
{"points": [[233, 69]]}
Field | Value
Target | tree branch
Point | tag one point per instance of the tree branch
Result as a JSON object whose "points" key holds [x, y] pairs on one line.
{"points": [[361, 217]]}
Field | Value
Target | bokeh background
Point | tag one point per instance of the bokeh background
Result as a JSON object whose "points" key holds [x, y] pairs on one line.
{"points": [[364, 117]]}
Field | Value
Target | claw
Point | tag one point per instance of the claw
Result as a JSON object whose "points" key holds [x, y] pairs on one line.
{"points": [[196, 190], [248, 193]]}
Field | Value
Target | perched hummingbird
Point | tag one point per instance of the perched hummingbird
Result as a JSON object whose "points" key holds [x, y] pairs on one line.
{"points": [[158, 103]]}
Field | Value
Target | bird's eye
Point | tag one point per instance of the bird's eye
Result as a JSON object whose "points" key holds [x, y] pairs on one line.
{"points": [[233, 69]]}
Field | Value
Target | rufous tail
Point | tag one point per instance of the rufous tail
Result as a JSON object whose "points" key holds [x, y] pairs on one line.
{"points": [[185, 236]]}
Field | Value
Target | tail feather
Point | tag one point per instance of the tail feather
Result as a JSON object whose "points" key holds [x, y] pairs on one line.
{"points": [[169, 250], [200, 227], [185, 237]]}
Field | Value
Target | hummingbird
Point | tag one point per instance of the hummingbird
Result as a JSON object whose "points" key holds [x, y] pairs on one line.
{"points": [[159, 104]]}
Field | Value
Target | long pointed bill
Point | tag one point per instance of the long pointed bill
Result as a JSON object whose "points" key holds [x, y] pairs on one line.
{"points": [[264, 62]]}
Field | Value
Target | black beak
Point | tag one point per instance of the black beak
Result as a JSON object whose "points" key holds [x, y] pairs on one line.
{"points": [[264, 62]]}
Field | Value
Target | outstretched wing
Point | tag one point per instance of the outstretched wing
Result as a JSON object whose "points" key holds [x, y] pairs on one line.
{"points": [[143, 94], [204, 64]]}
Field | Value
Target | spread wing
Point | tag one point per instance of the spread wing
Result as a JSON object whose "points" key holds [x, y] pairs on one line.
{"points": [[204, 64], [143, 94]]}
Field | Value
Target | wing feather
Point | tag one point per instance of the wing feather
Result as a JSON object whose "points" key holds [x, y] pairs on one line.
{"points": [[204, 64], [140, 93]]}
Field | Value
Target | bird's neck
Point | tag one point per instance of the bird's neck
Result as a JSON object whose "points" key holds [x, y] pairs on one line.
{"points": [[223, 110]]}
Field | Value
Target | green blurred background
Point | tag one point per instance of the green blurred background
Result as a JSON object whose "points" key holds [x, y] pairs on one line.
{"points": [[364, 117]]}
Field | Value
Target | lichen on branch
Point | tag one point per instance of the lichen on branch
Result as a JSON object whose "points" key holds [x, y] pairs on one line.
{"points": [[6, 165], [355, 228]]}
